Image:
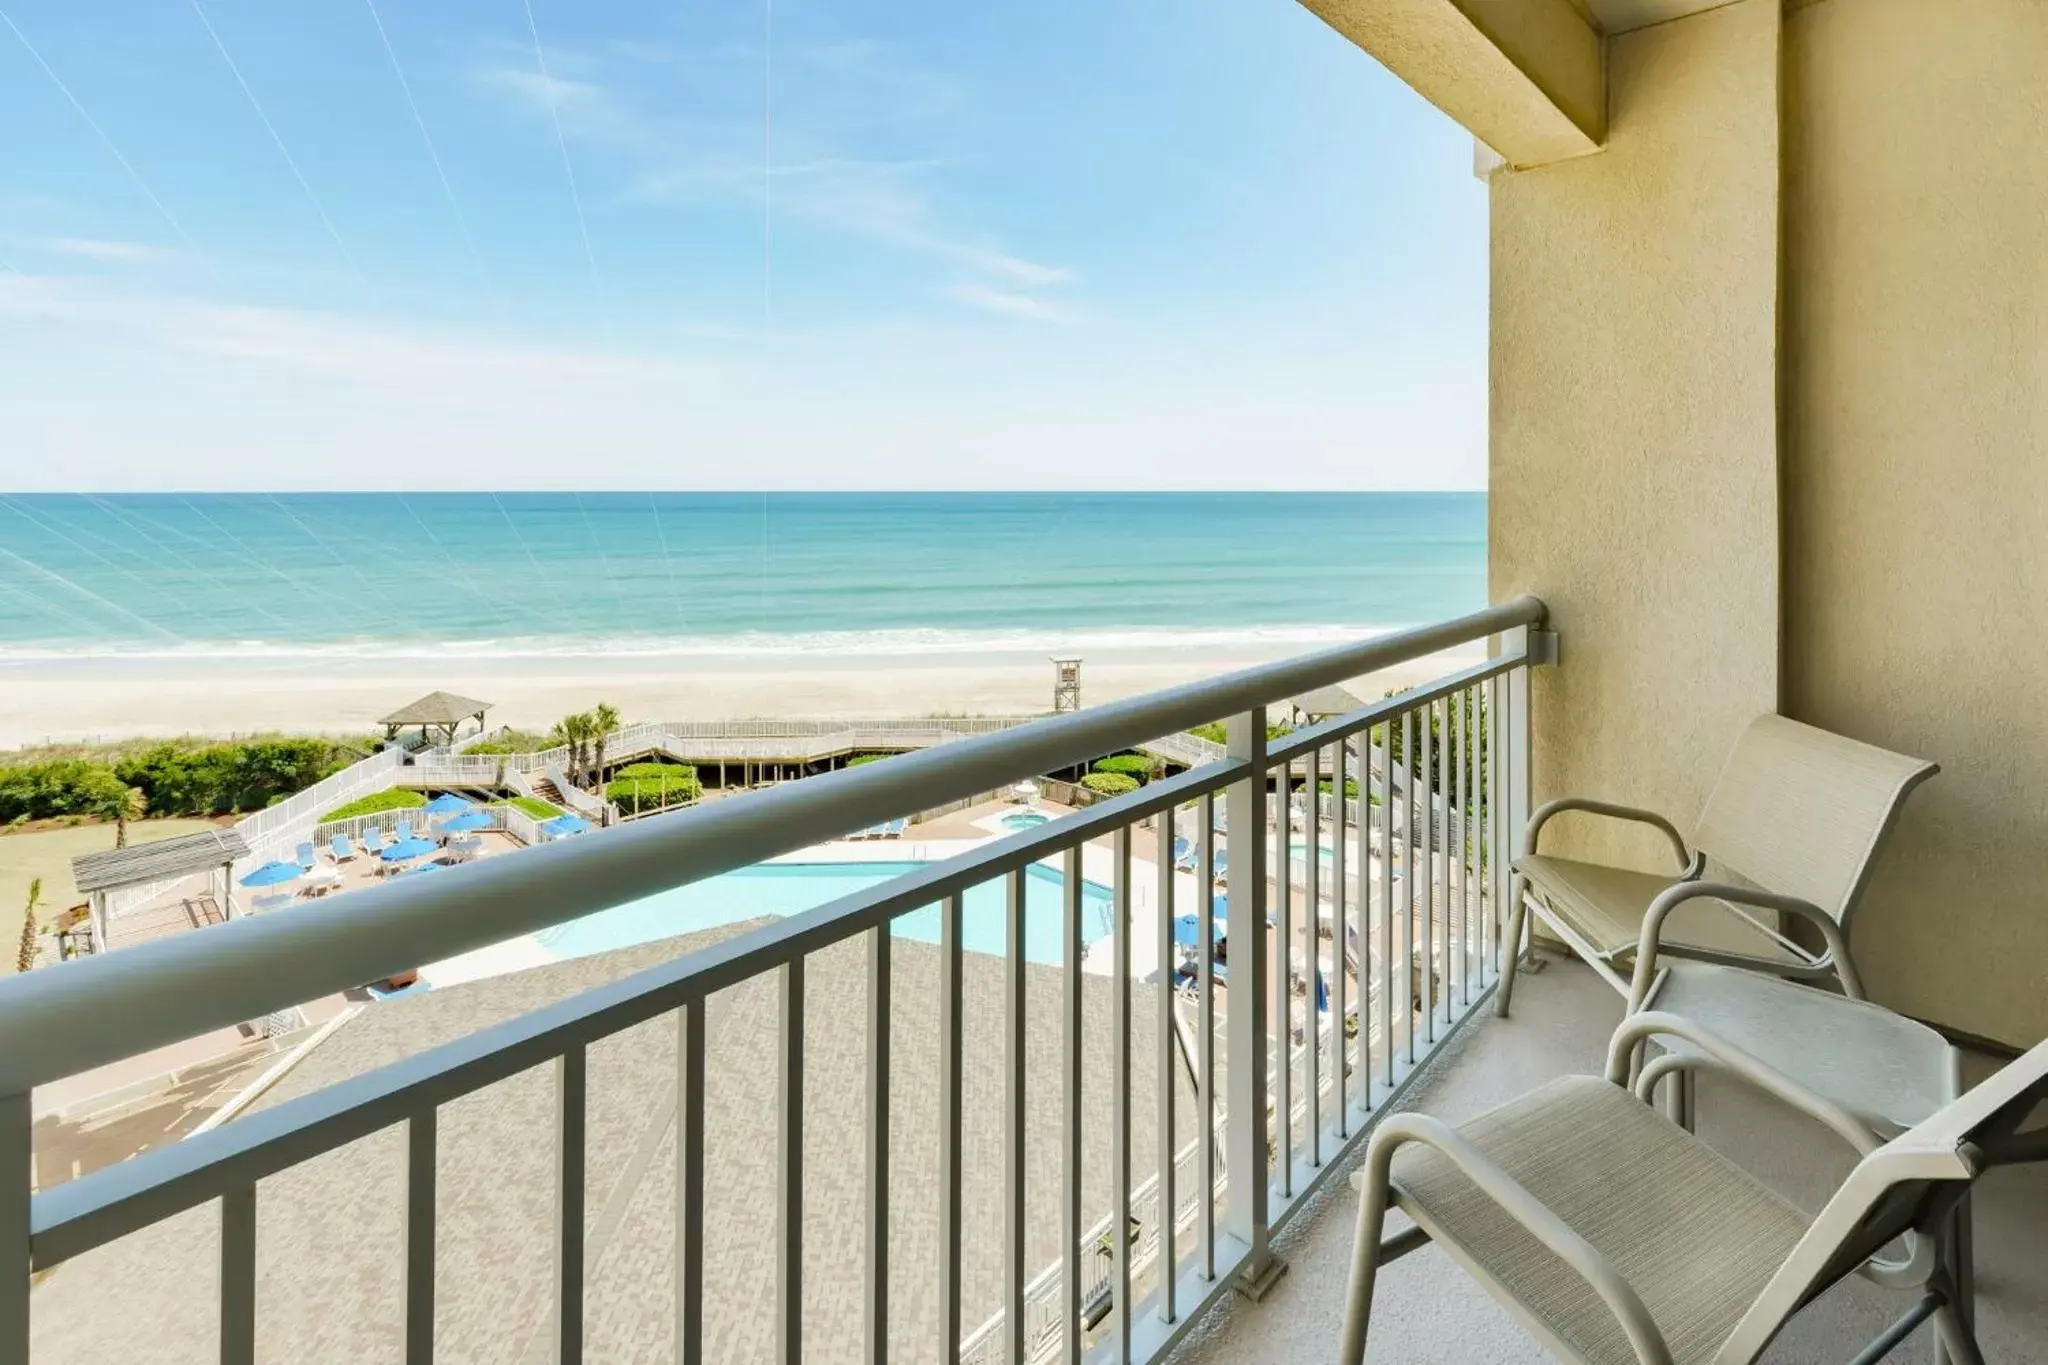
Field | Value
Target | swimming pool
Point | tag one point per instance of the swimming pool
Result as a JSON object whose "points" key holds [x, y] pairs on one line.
{"points": [[1025, 819], [780, 889]]}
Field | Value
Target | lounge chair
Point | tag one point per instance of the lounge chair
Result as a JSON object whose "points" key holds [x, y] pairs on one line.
{"points": [[403, 830], [894, 829], [306, 857], [1614, 1235], [1792, 827], [373, 840], [341, 848], [1183, 854]]}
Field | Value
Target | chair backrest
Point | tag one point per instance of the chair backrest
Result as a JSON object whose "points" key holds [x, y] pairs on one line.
{"points": [[1912, 1183], [1803, 812]]}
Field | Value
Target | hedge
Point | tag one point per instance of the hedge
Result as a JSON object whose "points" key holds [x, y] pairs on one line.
{"points": [[175, 777], [862, 760], [64, 786], [1110, 784], [638, 786], [1139, 767], [1216, 732], [1350, 788], [376, 803]]}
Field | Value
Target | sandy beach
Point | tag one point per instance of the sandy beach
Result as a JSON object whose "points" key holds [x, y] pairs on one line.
{"points": [[61, 701]]}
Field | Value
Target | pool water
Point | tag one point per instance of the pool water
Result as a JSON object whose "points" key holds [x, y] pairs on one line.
{"points": [[1025, 819], [780, 889]]}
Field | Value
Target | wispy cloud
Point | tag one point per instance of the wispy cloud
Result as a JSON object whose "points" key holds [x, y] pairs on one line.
{"points": [[712, 157], [1010, 302], [98, 249]]}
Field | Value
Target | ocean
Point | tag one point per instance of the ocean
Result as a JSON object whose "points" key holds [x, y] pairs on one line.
{"points": [[564, 574]]}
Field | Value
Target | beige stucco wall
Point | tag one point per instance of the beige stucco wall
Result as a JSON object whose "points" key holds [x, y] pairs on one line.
{"points": [[1916, 464], [1634, 480]]}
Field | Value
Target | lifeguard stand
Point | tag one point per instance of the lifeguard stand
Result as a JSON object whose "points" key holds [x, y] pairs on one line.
{"points": [[1066, 685]]}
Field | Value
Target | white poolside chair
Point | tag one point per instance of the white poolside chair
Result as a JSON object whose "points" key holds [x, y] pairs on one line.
{"points": [[1792, 827], [1618, 1238]]}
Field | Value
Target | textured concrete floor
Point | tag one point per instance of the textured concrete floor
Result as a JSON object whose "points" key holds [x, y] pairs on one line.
{"points": [[1427, 1310]]}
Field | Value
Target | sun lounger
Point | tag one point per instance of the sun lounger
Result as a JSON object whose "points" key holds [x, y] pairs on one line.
{"points": [[1183, 854], [307, 858], [343, 851], [895, 828], [373, 840], [404, 830]]}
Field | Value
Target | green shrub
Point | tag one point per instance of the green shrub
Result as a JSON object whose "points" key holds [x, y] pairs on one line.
{"points": [[862, 760], [1350, 788], [1140, 767], [376, 803], [214, 779], [63, 786], [1217, 733], [1110, 784], [653, 786], [511, 742]]}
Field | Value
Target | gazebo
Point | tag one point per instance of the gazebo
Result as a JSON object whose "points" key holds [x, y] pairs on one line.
{"points": [[437, 711], [1325, 701], [164, 861]]}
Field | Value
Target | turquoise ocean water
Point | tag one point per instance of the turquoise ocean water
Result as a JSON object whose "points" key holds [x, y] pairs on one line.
{"points": [[540, 574]]}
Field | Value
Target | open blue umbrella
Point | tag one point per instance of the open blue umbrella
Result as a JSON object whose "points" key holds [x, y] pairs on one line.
{"points": [[408, 849], [469, 820], [448, 804], [565, 824], [274, 874], [1187, 931]]}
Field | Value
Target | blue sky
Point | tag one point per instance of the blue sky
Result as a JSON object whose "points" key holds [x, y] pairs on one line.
{"points": [[1082, 243]]}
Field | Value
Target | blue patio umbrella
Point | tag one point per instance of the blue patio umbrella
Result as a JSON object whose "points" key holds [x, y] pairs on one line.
{"points": [[409, 849], [565, 824], [467, 821], [1322, 995], [448, 804], [1187, 931], [274, 874]]}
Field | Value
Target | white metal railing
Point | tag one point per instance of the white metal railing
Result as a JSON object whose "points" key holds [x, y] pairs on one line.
{"points": [[280, 828], [1439, 931]]}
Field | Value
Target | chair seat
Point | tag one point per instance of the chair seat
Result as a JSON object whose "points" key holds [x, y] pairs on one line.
{"points": [[1692, 1233], [1882, 1067], [1605, 906]]}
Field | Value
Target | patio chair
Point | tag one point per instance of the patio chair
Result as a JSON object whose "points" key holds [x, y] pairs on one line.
{"points": [[1792, 827], [403, 830], [341, 848], [1183, 854], [373, 840], [1615, 1236], [307, 858]]}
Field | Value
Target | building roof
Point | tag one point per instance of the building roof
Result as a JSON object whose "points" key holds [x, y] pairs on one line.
{"points": [[201, 852], [331, 1245], [1327, 701], [436, 708]]}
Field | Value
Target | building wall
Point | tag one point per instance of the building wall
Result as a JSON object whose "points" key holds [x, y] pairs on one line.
{"points": [[1916, 470], [1634, 480]]}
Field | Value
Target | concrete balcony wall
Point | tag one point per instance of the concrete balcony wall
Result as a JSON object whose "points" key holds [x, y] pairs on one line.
{"points": [[1769, 402], [1916, 464]]}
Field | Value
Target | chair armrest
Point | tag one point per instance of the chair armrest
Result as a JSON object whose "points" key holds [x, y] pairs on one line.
{"points": [[1513, 1199], [1725, 1057], [1672, 897], [1613, 811]]}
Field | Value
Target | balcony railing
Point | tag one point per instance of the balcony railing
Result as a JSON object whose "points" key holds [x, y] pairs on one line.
{"points": [[1281, 1088]]}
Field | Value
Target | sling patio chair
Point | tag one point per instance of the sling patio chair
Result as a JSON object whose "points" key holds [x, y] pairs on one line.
{"points": [[1618, 1238], [1791, 828]]}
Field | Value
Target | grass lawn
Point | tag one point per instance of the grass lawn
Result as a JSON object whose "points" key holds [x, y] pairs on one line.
{"points": [[532, 805], [48, 854]]}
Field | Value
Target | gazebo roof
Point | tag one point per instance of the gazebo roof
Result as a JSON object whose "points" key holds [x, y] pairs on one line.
{"points": [[201, 852], [437, 708], [1327, 701]]}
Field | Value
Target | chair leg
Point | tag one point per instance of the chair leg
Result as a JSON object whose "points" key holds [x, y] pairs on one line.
{"points": [[1365, 1251], [1511, 946], [1956, 1341]]}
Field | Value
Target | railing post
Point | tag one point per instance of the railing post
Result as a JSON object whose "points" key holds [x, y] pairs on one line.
{"points": [[17, 1185], [1246, 1028], [1535, 645]]}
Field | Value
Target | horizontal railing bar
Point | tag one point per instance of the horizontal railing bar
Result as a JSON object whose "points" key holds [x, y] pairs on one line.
{"points": [[83, 1213], [88, 1013], [1292, 746]]}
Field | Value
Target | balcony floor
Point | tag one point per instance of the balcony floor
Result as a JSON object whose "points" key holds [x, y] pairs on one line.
{"points": [[1427, 1309]]}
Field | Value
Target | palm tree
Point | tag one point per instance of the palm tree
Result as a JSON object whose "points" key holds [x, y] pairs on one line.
{"points": [[129, 805], [603, 721], [25, 960], [573, 730]]}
